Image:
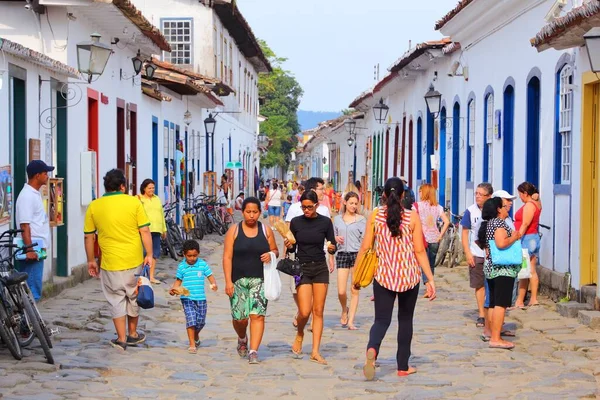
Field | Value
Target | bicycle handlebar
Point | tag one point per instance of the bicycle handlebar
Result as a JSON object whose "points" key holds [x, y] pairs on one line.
{"points": [[544, 226], [11, 232]]}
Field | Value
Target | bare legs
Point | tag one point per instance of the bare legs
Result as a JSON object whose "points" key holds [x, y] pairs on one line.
{"points": [[524, 284], [120, 324], [347, 318], [480, 296], [311, 299], [257, 329]]}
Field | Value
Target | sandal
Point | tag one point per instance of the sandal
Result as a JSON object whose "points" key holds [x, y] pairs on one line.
{"points": [[480, 322], [345, 324], [299, 339], [155, 281], [295, 321], [352, 328], [508, 333], [192, 350], [485, 338], [318, 359], [410, 371], [369, 367]]}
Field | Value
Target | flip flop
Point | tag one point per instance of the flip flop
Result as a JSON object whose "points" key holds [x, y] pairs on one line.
{"points": [[155, 282], [485, 338], [344, 325], [533, 305], [508, 333], [352, 328], [298, 353], [480, 322], [502, 346], [318, 359], [409, 372], [295, 321], [197, 343], [192, 350]]}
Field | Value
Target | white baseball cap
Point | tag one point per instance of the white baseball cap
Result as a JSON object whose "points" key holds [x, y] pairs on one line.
{"points": [[503, 194]]}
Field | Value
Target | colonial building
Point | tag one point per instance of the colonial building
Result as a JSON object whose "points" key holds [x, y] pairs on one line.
{"points": [[507, 114]]}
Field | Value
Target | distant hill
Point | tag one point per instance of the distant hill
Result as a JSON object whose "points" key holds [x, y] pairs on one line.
{"points": [[310, 119]]}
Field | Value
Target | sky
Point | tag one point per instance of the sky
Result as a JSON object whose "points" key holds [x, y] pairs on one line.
{"points": [[332, 45]]}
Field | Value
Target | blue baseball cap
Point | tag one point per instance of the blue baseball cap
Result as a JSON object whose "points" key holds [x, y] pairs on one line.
{"points": [[37, 167]]}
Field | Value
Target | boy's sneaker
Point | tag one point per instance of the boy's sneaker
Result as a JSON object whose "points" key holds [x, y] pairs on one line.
{"points": [[118, 345], [253, 357], [242, 347], [141, 338]]}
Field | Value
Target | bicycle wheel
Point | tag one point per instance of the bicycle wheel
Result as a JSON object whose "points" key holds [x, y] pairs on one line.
{"points": [[443, 249], [170, 247], [176, 239], [8, 335], [37, 327], [198, 230], [216, 226], [45, 328], [455, 258]]}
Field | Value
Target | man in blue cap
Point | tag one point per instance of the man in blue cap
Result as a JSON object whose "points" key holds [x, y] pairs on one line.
{"points": [[31, 217]]}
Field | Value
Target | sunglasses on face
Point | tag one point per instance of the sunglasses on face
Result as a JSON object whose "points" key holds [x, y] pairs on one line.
{"points": [[307, 207]]}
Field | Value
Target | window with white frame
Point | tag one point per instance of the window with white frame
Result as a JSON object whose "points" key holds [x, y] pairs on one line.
{"points": [[178, 33], [472, 139], [565, 119], [490, 134], [215, 49]]}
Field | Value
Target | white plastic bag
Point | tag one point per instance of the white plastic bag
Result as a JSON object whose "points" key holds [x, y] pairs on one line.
{"points": [[272, 280], [525, 272]]}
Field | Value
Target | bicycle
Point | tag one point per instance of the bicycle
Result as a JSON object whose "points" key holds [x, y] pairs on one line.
{"points": [[20, 314], [450, 245], [173, 242]]}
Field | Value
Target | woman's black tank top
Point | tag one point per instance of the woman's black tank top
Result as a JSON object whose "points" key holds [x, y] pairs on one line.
{"points": [[246, 254]]}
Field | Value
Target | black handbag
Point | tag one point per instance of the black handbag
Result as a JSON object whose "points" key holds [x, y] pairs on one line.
{"points": [[289, 266]]}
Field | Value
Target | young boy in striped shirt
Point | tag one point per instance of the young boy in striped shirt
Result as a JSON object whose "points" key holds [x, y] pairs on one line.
{"points": [[191, 274]]}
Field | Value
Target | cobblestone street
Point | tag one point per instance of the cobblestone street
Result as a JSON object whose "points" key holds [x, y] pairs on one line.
{"points": [[555, 357]]}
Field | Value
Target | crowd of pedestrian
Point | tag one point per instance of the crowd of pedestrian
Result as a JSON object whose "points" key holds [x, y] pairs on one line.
{"points": [[407, 232]]}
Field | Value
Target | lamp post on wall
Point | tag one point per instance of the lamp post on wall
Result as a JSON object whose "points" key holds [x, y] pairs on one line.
{"points": [[592, 45], [92, 56], [433, 98], [381, 111], [209, 127]]}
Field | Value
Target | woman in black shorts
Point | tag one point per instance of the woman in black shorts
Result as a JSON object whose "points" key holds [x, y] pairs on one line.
{"points": [[311, 231], [349, 230]]}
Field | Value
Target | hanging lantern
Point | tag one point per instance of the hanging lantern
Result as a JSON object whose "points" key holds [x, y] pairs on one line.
{"points": [[433, 98], [381, 111], [92, 56]]}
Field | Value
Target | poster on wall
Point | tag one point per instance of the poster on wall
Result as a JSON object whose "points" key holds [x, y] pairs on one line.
{"points": [[5, 194]]}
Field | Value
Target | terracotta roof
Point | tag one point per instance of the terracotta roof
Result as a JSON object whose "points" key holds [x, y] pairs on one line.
{"points": [[361, 97], [37, 58], [183, 84], [417, 51], [453, 13], [150, 91], [138, 19], [567, 31], [220, 88], [240, 31]]}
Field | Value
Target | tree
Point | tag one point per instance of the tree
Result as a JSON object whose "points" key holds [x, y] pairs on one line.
{"points": [[281, 93], [348, 111]]}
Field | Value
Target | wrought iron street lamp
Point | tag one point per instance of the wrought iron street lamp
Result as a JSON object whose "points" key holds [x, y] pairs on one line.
{"points": [[381, 111], [187, 118], [433, 98], [350, 141], [592, 45], [209, 125], [350, 125], [324, 160], [150, 69], [137, 62], [92, 56]]}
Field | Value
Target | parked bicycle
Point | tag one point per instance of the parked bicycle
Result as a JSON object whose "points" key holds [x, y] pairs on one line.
{"points": [[20, 319], [449, 252], [172, 244]]}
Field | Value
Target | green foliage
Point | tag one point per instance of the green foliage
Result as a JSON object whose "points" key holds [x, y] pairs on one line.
{"points": [[347, 111], [281, 93]]}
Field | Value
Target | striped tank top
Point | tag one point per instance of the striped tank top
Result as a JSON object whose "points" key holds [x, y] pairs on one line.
{"points": [[398, 269]]}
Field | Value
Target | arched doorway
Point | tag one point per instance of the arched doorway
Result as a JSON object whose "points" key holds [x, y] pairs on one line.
{"points": [[532, 169], [442, 147], [508, 140]]}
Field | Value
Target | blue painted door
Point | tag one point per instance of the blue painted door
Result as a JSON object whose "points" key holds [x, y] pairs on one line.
{"points": [[532, 172], [442, 147], [430, 128], [155, 151], [508, 140], [456, 140]]}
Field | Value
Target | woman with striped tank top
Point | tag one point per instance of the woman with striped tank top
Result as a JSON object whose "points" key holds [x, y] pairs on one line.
{"points": [[400, 251]]}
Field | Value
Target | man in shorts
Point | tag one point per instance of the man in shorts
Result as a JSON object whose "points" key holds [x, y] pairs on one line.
{"points": [[475, 256], [119, 220]]}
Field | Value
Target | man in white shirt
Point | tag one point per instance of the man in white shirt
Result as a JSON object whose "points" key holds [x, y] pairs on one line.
{"points": [[31, 217], [470, 223]]}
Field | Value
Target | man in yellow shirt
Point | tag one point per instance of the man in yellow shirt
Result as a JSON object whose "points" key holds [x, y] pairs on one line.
{"points": [[119, 220]]}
